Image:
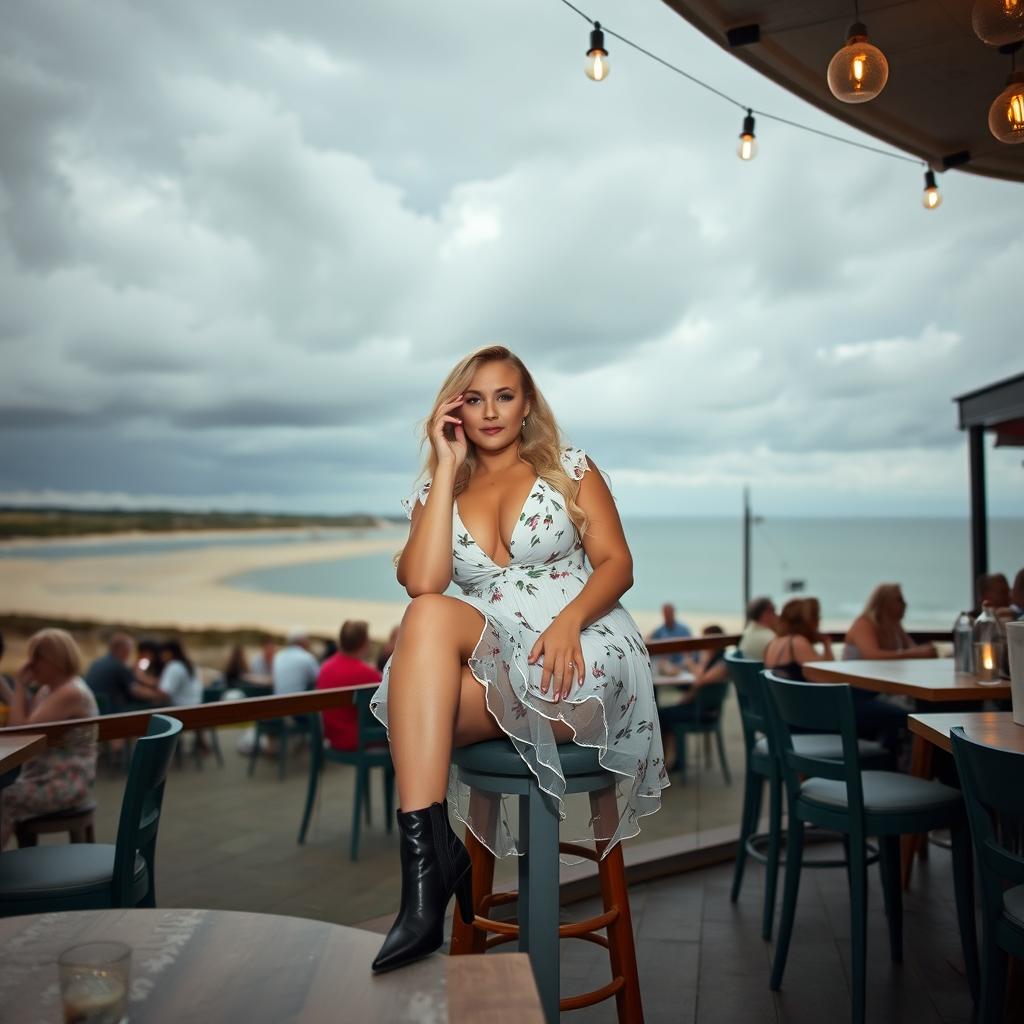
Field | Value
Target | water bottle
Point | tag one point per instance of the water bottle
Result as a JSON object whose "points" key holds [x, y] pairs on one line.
{"points": [[963, 644]]}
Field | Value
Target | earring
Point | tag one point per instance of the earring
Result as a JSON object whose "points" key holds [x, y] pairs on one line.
{"points": [[524, 422]]}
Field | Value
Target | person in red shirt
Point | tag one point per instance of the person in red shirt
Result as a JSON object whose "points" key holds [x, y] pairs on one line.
{"points": [[346, 668]]}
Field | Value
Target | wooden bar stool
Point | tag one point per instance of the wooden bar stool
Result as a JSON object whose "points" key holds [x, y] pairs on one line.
{"points": [[495, 767], [77, 822]]}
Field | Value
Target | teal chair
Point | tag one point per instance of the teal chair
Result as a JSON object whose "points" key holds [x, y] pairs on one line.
{"points": [[700, 717], [372, 751], [93, 876], [838, 795], [762, 767], [282, 729], [993, 785]]}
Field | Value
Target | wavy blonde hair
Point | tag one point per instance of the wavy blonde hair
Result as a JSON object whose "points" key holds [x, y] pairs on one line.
{"points": [[879, 596], [541, 441]]}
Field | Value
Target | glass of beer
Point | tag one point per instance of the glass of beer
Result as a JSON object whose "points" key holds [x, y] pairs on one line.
{"points": [[94, 982]]}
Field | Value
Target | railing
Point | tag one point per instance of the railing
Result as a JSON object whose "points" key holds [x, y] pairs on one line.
{"points": [[250, 709]]}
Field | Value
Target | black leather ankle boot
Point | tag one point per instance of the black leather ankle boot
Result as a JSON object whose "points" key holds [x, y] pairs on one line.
{"points": [[435, 864]]}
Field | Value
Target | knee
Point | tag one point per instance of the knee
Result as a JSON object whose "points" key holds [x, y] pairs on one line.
{"points": [[425, 612]]}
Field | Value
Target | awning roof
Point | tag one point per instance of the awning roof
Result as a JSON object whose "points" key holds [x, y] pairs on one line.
{"points": [[942, 78], [998, 407]]}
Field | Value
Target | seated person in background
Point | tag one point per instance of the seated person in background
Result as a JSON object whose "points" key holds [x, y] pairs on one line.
{"points": [[346, 668], [712, 669], [799, 630], [262, 664], [236, 667], [877, 633], [178, 678], [47, 688], [112, 679], [759, 632], [670, 629], [387, 649], [1016, 598], [294, 669], [994, 589]]}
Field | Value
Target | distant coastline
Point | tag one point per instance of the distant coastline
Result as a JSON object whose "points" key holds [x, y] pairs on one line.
{"points": [[44, 523]]}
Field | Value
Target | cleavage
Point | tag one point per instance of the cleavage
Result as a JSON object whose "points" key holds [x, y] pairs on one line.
{"points": [[493, 538]]}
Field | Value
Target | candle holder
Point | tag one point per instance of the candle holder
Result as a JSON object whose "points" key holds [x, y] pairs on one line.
{"points": [[988, 656]]}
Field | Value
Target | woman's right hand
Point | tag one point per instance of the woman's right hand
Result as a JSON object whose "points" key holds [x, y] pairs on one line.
{"points": [[449, 450]]}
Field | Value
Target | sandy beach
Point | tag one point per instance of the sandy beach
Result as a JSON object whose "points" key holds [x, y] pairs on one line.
{"points": [[188, 589]]}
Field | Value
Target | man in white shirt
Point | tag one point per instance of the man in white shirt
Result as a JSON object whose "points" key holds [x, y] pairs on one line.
{"points": [[294, 669], [759, 632]]}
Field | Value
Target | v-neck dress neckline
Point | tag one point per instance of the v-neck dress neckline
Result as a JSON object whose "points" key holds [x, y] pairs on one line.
{"points": [[512, 537]]}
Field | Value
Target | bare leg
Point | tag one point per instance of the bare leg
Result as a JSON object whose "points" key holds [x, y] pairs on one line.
{"points": [[434, 701], [436, 639]]}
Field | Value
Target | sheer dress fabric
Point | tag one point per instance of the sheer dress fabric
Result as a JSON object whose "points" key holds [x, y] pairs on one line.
{"points": [[613, 711]]}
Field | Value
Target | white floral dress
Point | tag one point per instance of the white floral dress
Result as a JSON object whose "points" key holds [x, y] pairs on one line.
{"points": [[613, 711]]}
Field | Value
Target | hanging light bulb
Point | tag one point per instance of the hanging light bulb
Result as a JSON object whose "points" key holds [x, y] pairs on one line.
{"points": [[998, 22], [932, 196], [1006, 115], [858, 71], [596, 66], [747, 148]]}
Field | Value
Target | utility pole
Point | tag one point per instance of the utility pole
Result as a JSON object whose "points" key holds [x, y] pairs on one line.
{"points": [[748, 521]]}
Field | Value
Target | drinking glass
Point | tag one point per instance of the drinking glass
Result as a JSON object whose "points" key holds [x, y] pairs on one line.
{"points": [[94, 982]]}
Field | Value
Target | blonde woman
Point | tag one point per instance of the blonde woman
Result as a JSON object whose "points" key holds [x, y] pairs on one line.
{"points": [[534, 648], [878, 634], [47, 688]]}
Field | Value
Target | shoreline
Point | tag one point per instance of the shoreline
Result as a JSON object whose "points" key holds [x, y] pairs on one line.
{"points": [[189, 589]]}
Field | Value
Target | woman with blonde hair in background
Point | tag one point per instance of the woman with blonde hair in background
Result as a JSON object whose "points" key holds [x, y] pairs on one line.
{"points": [[878, 634], [48, 688], [535, 648]]}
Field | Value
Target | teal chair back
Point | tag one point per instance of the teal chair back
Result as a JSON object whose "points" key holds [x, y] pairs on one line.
{"points": [[746, 677], [141, 806], [371, 751], [814, 707], [709, 700], [993, 788]]}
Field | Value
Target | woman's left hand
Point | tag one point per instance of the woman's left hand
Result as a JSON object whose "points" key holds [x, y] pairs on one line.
{"points": [[559, 647]]}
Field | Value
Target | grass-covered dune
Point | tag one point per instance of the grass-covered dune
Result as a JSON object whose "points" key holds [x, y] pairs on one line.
{"points": [[67, 522]]}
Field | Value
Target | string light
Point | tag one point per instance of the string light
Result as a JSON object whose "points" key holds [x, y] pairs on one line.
{"points": [[858, 71], [596, 66], [747, 148], [998, 22], [932, 196], [597, 61], [1006, 115]]}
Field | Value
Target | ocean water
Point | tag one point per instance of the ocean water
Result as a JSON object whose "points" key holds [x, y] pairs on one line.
{"points": [[697, 564]]}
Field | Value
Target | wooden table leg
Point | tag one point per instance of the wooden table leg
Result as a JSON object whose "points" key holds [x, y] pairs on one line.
{"points": [[920, 766]]}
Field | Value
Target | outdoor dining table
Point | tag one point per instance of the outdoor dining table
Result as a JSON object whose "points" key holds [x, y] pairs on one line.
{"points": [[215, 965], [15, 750], [932, 680]]}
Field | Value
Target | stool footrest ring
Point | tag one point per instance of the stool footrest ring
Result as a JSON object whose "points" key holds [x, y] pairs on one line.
{"points": [[590, 998]]}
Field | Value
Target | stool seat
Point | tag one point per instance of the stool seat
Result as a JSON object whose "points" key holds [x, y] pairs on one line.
{"points": [[499, 757], [78, 822], [67, 812]]}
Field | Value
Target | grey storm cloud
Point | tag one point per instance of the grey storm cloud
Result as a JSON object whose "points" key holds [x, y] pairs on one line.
{"points": [[241, 245]]}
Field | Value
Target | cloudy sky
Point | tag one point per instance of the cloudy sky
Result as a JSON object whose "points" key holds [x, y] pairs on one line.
{"points": [[241, 243]]}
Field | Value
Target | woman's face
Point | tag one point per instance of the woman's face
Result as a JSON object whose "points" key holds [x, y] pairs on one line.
{"points": [[494, 406], [895, 607], [45, 672]]}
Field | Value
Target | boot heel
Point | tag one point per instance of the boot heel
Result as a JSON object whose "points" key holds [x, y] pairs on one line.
{"points": [[464, 896]]}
